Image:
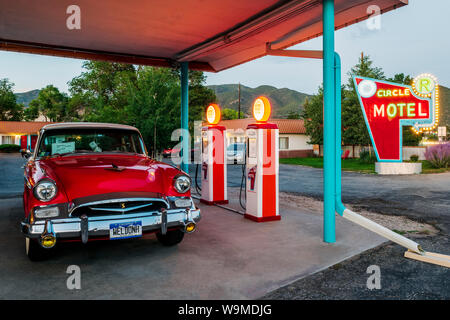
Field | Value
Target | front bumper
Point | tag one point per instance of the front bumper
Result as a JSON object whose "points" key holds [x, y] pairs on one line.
{"points": [[84, 228]]}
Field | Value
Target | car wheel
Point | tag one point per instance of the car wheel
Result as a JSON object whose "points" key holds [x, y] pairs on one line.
{"points": [[34, 251], [171, 238]]}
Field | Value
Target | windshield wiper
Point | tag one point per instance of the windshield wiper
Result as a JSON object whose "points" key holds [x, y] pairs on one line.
{"points": [[120, 151], [71, 152]]}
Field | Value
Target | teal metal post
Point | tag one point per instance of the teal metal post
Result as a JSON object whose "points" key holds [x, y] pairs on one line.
{"points": [[329, 142], [185, 152], [338, 144]]}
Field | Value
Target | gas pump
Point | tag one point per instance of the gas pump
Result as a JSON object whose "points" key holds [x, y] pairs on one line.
{"points": [[262, 165], [214, 166]]}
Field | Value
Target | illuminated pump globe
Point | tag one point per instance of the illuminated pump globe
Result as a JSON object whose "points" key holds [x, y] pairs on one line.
{"points": [[213, 114], [261, 109]]}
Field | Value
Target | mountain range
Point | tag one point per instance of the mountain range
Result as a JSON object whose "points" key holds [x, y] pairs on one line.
{"points": [[26, 97], [284, 101]]}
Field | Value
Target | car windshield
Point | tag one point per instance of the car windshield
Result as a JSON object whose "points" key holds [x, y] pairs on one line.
{"points": [[236, 147], [70, 141]]}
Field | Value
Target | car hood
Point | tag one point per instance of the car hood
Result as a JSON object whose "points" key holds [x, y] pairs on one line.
{"points": [[82, 176]]}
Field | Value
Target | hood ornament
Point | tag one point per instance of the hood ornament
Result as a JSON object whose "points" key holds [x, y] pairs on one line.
{"points": [[115, 168]]}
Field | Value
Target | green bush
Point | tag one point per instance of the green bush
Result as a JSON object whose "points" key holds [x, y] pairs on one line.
{"points": [[414, 158], [365, 156], [9, 148]]}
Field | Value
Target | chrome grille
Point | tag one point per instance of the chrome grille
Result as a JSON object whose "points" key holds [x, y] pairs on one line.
{"points": [[119, 207]]}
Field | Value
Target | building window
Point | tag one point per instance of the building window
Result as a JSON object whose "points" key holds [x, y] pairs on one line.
{"points": [[284, 143], [8, 140]]}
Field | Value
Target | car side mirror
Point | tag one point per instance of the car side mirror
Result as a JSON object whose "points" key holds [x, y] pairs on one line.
{"points": [[26, 153]]}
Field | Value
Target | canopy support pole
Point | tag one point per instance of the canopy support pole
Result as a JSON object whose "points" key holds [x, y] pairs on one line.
{"points": [[185, 141], [329, 163]]}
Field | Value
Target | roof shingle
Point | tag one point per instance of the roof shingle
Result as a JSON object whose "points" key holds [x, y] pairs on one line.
{"points": [[21, 127]]}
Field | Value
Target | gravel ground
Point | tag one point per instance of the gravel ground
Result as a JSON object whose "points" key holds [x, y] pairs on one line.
{"points": [[425, 213], [401, 278]]}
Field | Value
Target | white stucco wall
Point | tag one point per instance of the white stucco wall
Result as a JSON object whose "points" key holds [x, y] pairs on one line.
{"points": [[298, 141]]}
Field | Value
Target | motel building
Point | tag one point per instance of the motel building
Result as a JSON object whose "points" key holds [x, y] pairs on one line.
{"points": [[21, 133], [293, 141]]}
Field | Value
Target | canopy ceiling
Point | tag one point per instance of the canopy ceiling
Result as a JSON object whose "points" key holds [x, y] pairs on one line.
{"points": [[212, 35]]}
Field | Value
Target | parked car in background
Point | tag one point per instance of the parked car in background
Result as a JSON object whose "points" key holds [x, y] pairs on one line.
{"points": [[94, 181], [236, 153], [169, 152]]}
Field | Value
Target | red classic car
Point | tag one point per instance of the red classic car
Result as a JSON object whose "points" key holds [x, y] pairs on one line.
{"points": [[94, 181]]}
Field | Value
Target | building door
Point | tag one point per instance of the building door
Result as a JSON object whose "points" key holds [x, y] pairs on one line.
{"points": [[33, 141], [23, 142]]}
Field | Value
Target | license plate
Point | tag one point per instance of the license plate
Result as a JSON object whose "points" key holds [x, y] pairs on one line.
{"points": [[125, 230]]}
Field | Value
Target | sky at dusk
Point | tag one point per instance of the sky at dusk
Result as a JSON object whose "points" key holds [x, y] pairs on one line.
{"points": [[413, 39]]}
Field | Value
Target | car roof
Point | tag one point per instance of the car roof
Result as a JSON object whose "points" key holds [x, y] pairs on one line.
{"points": [[89, 125]]}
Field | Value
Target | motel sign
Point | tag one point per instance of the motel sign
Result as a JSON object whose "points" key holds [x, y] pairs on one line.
{"points": [[388, 106]]}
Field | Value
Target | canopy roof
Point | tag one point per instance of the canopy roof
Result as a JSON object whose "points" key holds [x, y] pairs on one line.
{"points": [[212, 35]]}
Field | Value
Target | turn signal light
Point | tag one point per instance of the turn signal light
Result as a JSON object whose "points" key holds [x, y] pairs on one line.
{"points": [[46, 212]]}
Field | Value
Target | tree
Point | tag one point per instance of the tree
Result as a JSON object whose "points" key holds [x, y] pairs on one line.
{"points": [[200, 97], [354, 129], [401, 78], [50, 103], [146, 97], [230, 114], [154, 103], [9, 109], [100, 92], [313, 117], [293, 115], [31, 113]]}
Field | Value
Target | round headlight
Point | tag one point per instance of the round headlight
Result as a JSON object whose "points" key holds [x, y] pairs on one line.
{"points": [[182, 183], [45, 190]]}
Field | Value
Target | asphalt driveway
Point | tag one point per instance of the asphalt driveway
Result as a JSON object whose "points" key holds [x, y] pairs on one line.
{"points": [[425, 198], [11, 183]]}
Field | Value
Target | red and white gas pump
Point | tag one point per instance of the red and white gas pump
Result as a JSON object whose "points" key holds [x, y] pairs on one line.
{"points": [[214, 165], [262, 165]]}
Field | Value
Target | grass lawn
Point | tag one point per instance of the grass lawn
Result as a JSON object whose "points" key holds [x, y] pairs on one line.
{"points": [[352, 165], [427, 168]]}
